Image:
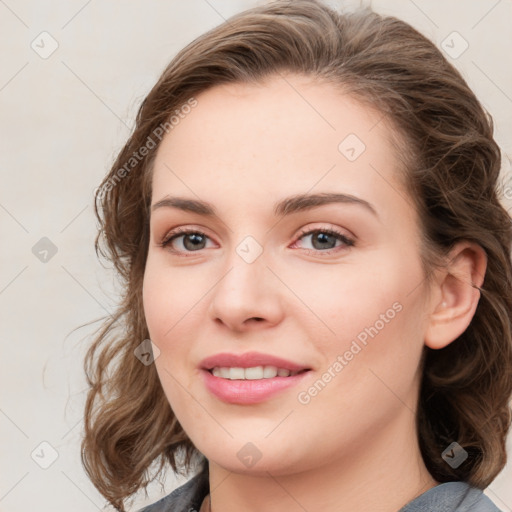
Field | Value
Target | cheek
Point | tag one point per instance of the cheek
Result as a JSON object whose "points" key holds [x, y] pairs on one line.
{"points": [[376, 321], [165, 303], [345, 300], [169, 297], [157, 301], [370, 374], [173, 302]]}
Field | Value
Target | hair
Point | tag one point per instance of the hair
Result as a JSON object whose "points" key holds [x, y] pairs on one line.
{"points": [[451, 172]]}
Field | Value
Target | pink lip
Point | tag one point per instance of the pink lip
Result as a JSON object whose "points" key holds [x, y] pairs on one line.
{"points": [[248, 391], [248, 360]]}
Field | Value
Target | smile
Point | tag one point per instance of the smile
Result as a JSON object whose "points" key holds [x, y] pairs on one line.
{"points": [[250, 377]]}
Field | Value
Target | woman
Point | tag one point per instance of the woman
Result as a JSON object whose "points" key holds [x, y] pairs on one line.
{"points": [[307, 224]]}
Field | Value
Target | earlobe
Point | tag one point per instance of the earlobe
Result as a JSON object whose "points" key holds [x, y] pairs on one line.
{"points": [[458, 293]]}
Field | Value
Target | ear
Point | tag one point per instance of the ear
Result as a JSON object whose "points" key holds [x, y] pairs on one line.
{"points": [[455, 294]]}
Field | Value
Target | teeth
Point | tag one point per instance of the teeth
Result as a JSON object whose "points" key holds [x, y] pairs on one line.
{"points": [[250, 373], [224, 372], [236, 373], [269, 372], [253, 373]]}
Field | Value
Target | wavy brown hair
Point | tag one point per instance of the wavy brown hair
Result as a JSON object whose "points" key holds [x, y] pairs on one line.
{"points": [[451, 170]]}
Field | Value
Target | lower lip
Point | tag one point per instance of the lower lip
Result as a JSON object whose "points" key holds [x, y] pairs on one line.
{"points": [[248, 391]]}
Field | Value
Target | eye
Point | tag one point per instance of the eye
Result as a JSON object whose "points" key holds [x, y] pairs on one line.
{"points": [[185, 240], [323, 240]]}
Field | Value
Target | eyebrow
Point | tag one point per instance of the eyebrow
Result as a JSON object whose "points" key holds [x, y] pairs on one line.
{"points": [[292, 204]]}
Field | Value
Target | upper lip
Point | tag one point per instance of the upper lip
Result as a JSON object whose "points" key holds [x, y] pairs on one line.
{"points": [[249, 360]]}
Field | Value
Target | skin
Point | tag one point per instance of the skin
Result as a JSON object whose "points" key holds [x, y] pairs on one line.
{"points": [[353, 446]]}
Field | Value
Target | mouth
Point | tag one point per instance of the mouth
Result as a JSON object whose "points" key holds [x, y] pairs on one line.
{"points": [[250, 378]]}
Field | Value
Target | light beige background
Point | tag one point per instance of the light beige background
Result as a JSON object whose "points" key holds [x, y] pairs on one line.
{"points": [[63, 118]]}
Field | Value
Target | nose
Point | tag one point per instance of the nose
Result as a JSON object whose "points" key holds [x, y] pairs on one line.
{"points": [[248, 297]]}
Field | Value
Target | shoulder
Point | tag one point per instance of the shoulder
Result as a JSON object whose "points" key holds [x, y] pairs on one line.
{"points": [[451, 497], [187, 498]]}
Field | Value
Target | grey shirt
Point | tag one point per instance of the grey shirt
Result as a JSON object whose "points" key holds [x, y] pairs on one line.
{"points": [[447, 497]]}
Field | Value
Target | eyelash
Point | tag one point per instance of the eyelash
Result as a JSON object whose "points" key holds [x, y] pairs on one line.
{"points": [[179, 232]]}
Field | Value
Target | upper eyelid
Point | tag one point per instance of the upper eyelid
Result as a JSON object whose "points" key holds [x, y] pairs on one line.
{"points": [[308, 231], [303, 231], [180, 230]]}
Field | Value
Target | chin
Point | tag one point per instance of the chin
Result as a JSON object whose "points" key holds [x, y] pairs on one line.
{"points": [[256, 459]]}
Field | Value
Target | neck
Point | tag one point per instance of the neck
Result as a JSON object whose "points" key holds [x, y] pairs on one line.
{"points": [[383, 473]]}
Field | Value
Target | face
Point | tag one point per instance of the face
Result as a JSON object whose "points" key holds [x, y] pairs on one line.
{"points": [[283, 239]]}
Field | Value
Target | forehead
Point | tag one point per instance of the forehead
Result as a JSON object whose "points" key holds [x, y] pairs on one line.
{"points": [[288, 133]]}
